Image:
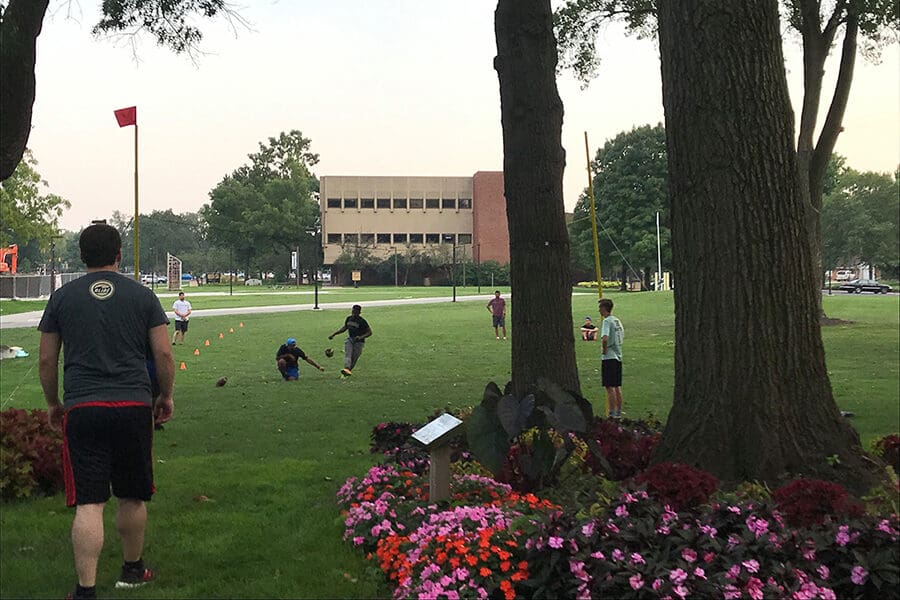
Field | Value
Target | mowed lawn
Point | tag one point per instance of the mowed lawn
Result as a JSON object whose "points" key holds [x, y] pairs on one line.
{"points": [[246, 474]]}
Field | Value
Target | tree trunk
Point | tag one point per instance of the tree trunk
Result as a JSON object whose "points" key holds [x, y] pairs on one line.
{"points": [[19, 29], [752, 396], [533, 161]]}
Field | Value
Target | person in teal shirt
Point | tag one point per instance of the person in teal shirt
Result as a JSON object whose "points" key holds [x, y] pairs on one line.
{"points": [[611, 335]]}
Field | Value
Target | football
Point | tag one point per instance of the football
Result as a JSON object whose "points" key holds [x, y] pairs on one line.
{"points": [[222, 381], [329, 352]]}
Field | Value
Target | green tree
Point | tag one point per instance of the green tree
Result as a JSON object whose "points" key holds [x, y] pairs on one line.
{"points": [[26, 213], [533, 160], [630, 187], [169, 21], [752, 399], [859, 25], [859, 222], [268, 208], [164, 232]]}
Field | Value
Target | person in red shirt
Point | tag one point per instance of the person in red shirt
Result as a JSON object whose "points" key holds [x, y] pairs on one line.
{"points": [[497, 308]]}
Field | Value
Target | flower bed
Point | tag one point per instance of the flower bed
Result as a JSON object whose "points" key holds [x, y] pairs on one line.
{"points": [[660, 536]]}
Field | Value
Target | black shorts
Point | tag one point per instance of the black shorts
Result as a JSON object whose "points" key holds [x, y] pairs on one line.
{"points": [[181, 326], [107, 443], [611, 372], [499, 322]]}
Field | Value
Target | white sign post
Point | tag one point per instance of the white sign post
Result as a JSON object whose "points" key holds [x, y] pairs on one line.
{"points": [[435, 437]]}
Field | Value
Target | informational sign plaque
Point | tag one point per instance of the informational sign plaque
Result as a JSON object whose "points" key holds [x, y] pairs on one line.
{"points": [[435, 432]]}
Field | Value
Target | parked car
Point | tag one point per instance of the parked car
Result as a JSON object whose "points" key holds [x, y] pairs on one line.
{"points": [[858, 286], [149, 279]]}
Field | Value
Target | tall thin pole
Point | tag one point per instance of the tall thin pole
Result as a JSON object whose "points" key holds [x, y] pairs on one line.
{"points": [[396, 279], [454, 269], [587, 154], [658, 256], [137, 271], [231, 267]]}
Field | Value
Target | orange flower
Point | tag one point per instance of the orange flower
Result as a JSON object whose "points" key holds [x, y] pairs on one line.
{"points": [[522, 565], [519, 576], [441, 557], [454, 562], [485, 572], [504, 555], [505, 565], [505, 585], [472, 560]]}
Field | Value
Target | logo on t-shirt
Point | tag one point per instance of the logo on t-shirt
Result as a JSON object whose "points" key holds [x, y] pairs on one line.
{"points": [[102, 289]]}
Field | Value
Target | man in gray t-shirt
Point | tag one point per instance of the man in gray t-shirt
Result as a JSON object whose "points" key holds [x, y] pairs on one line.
{"points": [[105, 321]]}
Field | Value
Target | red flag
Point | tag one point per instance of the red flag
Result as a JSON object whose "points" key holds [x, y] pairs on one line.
{"points": [[126, 116]]}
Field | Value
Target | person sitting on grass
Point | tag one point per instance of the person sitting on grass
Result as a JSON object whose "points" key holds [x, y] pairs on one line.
{"points": [[287, 359], [588, 330]]}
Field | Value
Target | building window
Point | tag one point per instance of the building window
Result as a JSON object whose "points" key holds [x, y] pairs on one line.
{"points": [[384, 203], [349, 202], [334, 238], [464, 238], [334, 203], [399, 238], [383, 238], [448, 238], [415, 238], [399, 203], [416, 203], [367, 203], [449, 203], [432, 203], [465, 203], [351, 239], [367, 239], [432, 238]]}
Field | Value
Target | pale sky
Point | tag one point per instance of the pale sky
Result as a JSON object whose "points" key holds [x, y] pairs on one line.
{"points": [[382, 87]]}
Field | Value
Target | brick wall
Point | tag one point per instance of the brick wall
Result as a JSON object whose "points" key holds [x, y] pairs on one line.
{"points": [[490, 233]]}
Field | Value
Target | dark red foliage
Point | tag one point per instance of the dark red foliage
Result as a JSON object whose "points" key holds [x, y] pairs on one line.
{"points": [[806, 502], [627, 448], [678, 485], [26, 438], [888, 450]]}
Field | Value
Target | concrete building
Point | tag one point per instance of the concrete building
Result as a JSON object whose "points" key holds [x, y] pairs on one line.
{"points": [[385, 215]]}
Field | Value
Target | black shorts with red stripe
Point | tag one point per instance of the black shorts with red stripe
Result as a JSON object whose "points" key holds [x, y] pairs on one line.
{"points": [[108, 444]]}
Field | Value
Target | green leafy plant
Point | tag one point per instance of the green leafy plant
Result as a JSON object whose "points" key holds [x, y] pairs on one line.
{"points": [[497, 425]]}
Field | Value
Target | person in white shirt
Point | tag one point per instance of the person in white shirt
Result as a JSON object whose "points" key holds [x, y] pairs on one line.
{"points": [[182, 310]]}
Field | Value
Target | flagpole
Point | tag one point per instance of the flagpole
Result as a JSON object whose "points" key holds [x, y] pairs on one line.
{"points": [[137, 272], [587, 154]]}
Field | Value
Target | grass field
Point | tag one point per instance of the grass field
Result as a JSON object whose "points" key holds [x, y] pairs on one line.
{"points": [[246, 473]]}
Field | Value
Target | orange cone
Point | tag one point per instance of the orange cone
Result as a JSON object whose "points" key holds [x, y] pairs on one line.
{"points": [[183, 366], [231, 330], [242, 324], [196, 351], [221, 336], [206, 343]]}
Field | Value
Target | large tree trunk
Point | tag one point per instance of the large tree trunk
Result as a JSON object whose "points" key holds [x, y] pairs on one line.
{"points": [[533, 161], [19, 29], [752, 396]]}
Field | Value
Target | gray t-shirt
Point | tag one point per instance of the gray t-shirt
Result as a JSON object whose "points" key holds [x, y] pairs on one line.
{"points": [[612, 327], [103, 320]]}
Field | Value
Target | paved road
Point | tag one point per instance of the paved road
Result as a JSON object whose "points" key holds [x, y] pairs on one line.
{"points": [[31, 319]]}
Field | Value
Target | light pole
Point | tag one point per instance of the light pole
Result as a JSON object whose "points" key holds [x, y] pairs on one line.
{"points": [[396, 280], [53, 262], [313, 232], [452, 238]]}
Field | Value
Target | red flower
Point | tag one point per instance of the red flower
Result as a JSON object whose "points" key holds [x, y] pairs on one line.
{"points": [[485, 572]]}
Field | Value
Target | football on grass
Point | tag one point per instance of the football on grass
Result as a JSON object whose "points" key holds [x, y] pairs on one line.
{"points": [[222, 381], [329, 352]]}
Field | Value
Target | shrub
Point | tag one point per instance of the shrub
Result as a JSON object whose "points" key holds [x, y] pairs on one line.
{"points": [[888, 450], [626, 446], [678, 485], [30, 454], [807, 502]]}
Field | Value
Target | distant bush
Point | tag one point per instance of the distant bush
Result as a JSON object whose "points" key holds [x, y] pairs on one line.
{"points": [[806, 502]]}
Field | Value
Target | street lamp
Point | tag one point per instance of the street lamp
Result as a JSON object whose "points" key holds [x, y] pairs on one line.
{"points": [[449, 237], [394, 248], [315, 276]]}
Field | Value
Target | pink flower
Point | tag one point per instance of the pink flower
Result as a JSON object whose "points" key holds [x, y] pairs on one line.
{"points": [[733, 572], [823, 571], [689, 554], [617, 554], [735, 509], [827, 594], [858, 575], [757, 526], [807, 591], [700, 573], [729, 592], [621, 511], [662, 530], [751, 565], [636, 582], [598, 555], [680, 591], [588, 528], [708, 557], [555, 542], [809, 552], [843, 536], [677, 576], [637, 559], [657, 583], [754, 588]]}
